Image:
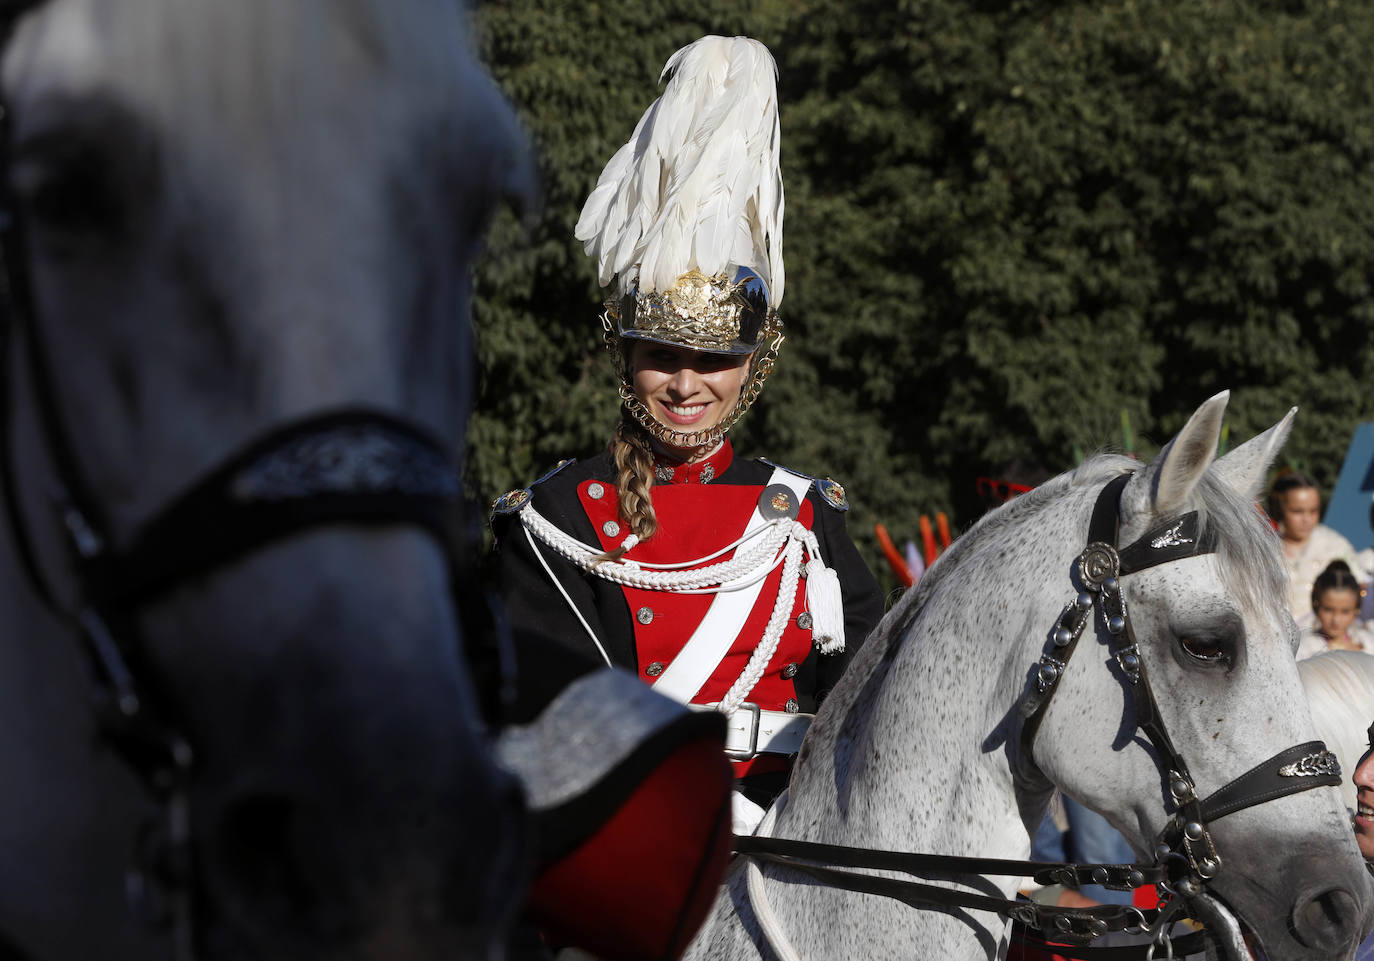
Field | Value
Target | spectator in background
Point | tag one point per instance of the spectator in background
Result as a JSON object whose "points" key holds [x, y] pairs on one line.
{"points": [[1086, 838], [1308, 545], [1336, 624]]}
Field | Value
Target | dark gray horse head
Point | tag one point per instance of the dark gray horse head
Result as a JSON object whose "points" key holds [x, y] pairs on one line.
{"points": [[226, 218]]}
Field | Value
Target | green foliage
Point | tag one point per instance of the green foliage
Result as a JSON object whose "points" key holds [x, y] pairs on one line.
{"points": [[1007, 224]]}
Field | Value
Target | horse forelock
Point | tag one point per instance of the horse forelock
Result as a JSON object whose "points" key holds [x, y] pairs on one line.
{"points": [[318, 171], [260, 71], [1247, 546]]}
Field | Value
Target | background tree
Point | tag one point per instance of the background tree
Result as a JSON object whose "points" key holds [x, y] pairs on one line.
{"points": [[1009, 224]]}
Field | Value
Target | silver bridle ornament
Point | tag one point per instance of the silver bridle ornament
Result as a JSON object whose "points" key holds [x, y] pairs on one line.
{"points": [[1320, 764]]}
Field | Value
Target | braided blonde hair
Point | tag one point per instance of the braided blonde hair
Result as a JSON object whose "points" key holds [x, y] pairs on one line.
{"points": [[634, 464]]}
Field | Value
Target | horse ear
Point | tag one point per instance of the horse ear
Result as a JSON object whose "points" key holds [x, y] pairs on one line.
{"points": [[1244, 469], [1168, 480]]}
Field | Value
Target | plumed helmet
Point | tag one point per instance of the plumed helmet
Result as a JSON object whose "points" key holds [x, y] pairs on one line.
{"points": [[686, 218]]}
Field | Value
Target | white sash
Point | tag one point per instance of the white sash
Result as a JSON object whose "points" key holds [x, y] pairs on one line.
{"points": [[710, 642]]}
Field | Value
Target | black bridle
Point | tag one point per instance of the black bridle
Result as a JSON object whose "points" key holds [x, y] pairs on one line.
{"points": [[350, 466], [1187, 857]]}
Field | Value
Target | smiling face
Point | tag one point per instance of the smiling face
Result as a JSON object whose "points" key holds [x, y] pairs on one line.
{"points": [[1302, 509], [1364, 794], [686, 390]]}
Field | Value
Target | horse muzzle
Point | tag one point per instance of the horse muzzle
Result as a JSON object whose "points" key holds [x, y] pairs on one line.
{"points": [[1310, 909]]}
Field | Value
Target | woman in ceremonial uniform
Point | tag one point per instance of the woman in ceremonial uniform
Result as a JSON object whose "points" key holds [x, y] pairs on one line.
{"points": [[724, 582]]}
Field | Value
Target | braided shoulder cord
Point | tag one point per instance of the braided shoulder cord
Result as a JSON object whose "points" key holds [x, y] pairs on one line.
{"points": [[777, 542], [772, 634], [749, 564]]}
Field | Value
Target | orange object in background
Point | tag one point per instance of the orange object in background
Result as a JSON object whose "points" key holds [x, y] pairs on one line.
{"points": [[928, 541], [894, 559], [942, 528]]}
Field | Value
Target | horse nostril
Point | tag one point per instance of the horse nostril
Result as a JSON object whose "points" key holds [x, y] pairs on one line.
{"points": [[1326, 921]]}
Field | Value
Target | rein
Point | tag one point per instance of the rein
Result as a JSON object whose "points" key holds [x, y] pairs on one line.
{"points": [[350, 466], [1186, 856]]}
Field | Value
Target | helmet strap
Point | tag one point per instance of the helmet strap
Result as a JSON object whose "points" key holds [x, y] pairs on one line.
{"points": [[695, 443]]}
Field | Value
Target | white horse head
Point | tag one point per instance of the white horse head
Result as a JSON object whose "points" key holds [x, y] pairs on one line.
{"points": [[1218, 641], [237, 215], [921, 747]]}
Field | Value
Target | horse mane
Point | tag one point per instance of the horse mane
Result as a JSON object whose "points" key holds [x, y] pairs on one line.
{"points": [[1247, 546], [1340, 692]]}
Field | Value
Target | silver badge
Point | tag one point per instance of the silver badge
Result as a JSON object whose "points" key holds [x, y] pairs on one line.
{"points": [[1321, 764], [1171, 538]]}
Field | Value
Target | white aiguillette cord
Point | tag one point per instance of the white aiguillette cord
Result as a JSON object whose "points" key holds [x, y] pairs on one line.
{"points": [[576, 613], [736, 584]]}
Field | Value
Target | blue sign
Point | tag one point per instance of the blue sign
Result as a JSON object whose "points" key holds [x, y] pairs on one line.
{"points": [[1348, 510]]}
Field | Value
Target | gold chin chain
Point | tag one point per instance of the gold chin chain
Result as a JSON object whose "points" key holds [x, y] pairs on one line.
{"points": [[699, 441]]}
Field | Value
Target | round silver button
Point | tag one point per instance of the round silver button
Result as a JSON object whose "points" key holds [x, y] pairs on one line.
{"points": [[645, 615], [789, 672], [610, 529], [654, 669], [595, 491], [804, 620], [791, 707]]}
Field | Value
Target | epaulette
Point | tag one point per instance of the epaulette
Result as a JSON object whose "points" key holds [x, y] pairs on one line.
{"points": [[829, 490], [512, 502]]}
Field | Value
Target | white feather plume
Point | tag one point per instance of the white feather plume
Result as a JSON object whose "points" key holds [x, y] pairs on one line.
{"points": [[698, 185]]}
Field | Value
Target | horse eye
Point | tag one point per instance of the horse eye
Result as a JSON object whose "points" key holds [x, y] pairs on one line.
{"points": [[70, 193], [1202, 649]]}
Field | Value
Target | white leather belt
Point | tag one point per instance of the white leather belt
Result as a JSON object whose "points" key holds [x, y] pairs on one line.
{"points": [[752, 731]]}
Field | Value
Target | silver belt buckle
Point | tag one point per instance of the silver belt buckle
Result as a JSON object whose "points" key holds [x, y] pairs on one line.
{"points": [[755, 715]]}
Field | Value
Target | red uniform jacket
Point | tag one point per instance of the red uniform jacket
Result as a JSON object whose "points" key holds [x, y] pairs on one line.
{"points": [[701, 509]]}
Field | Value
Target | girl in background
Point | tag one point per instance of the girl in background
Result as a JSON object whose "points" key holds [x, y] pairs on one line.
{"points": [[1336, 597], [1308, 545]]}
